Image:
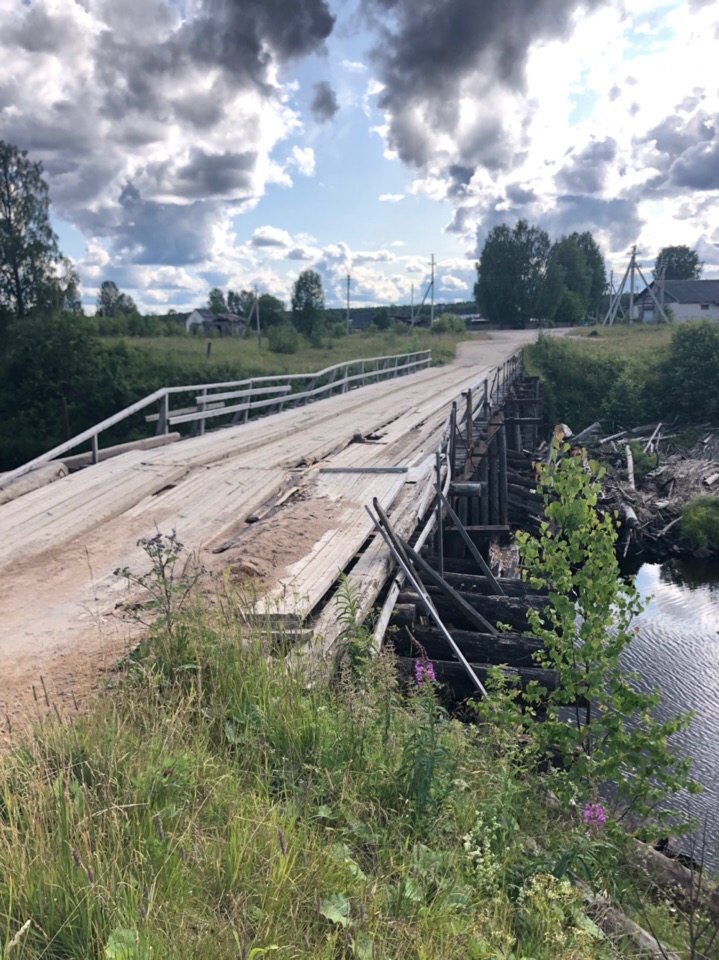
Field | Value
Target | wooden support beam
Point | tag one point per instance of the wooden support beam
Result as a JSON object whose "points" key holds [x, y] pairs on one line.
{"points": [[455, 677], [514, 649], [429, 575]]}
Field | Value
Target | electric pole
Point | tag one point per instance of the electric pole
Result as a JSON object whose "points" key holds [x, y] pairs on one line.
{"points": [[257, 309], [349, 322], [431, 309]]}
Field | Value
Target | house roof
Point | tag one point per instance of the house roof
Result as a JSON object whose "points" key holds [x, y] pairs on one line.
{"points": [[209, 316], [690, 291]]}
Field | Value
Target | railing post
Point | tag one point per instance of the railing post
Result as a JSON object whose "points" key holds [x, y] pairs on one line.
{"points": [[469, 422], [163, 423], [95, 449], [201, 407], [345, 385], [362, 372], [249, 401]]}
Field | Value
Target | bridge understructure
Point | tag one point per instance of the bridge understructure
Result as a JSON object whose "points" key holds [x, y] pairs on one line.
{"points": [[278, 501]]}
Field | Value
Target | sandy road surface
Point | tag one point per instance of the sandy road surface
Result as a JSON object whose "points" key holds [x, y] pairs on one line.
{"points": [[60, 546]]}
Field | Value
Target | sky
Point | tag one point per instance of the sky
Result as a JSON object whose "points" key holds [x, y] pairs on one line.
{"points": [[197, 143]]}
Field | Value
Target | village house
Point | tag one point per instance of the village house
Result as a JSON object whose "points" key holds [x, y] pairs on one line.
{"points": [[224, 324], [682, 299]]}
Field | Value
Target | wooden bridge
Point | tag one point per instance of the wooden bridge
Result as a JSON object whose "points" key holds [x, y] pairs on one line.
{"points": [[304, 474]]}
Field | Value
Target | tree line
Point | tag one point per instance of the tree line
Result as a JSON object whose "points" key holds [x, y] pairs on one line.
{"points": [[522, 276]]}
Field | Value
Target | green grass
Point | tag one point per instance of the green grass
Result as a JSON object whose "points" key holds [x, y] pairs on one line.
{"points": [[700, 522], [243, 354], [621, 339], [214, 806]]}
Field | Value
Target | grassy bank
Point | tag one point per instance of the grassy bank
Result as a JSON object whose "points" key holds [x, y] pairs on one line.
{"points": [[211, 806], [625, 376], [247, 358]]}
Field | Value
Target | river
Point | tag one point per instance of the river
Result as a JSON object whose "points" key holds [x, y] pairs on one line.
{"points": [[677, 649]]}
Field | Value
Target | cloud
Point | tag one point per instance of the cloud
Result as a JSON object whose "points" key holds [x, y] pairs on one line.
{"points": [[152, 137], [303, 158], [453, 284], [270, 237], [450, 68], [354, 66], [391, 197], [587, 168], [324, 102]]}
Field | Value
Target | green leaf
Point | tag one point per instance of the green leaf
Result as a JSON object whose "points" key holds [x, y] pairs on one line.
{"points": [[123, 945], [336, 908]]}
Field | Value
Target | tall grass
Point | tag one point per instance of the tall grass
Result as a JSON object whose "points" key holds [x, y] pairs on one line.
{"points": [[213, 805], [243, 356]]}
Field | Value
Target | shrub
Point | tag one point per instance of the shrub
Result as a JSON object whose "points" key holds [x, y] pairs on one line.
{"points": [[700, 521], [598, 720], [283, 338]]}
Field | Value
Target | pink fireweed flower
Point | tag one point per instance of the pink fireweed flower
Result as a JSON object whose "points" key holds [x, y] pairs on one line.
{"points": [[424, 672], [595, 817]]}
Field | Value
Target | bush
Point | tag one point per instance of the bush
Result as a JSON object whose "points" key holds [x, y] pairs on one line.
{"points": [[692, 387], [283, 338], [700, 522]]}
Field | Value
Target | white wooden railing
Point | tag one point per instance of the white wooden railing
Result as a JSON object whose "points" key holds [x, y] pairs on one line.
{"points": [[258, 394]]}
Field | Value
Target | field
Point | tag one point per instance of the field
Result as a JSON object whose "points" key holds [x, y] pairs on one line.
{"points": [[243, 354]]}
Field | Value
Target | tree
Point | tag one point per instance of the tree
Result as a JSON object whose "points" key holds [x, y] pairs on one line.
{"points": [[217, 301], [678, 263], [308, 301], [112, 303], [272, 311], [577, 278], [29, 250], [511, 274], [240, 303], [598, 720]]}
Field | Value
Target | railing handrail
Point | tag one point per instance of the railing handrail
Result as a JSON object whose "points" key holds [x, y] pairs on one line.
{"points": [[164, 393]]}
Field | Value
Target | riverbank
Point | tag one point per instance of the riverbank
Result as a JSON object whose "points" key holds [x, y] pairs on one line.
{"points": [[211, 806]]}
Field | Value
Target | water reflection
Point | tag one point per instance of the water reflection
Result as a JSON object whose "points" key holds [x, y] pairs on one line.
{"points": [[677, 649]]}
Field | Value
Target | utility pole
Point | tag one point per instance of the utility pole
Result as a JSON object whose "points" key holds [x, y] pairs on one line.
{"points": [[349, 322], [616, 305], [411, 306], [431, 309], [257, 309]]}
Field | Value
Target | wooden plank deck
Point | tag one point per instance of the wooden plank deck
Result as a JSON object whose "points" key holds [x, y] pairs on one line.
{"points": [[60, 545]]}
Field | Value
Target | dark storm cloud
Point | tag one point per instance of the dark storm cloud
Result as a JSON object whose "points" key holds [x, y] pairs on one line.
{"points": [[586, 171], [324, 102], [674, 134], [619, 218], [145, 232], [215, 175], [42, 32], [431, 46], [698, 167], [236, 34]]}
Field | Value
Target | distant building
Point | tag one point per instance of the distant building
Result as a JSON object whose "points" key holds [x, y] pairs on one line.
{"points": [[225, 324], [687, 300]]}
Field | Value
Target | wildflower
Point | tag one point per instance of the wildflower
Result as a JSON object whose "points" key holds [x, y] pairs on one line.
{"points": [[595, 817], [424, 672]]}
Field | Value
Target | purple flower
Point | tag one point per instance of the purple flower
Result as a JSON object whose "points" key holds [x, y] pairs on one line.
{"points": [[424, 672], [595, 817]]}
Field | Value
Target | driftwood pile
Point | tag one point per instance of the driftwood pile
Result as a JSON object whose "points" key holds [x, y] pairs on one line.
{"points": [[650, 502]]}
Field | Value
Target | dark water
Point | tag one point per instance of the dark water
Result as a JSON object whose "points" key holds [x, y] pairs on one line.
{"points": [[677, 649]]}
